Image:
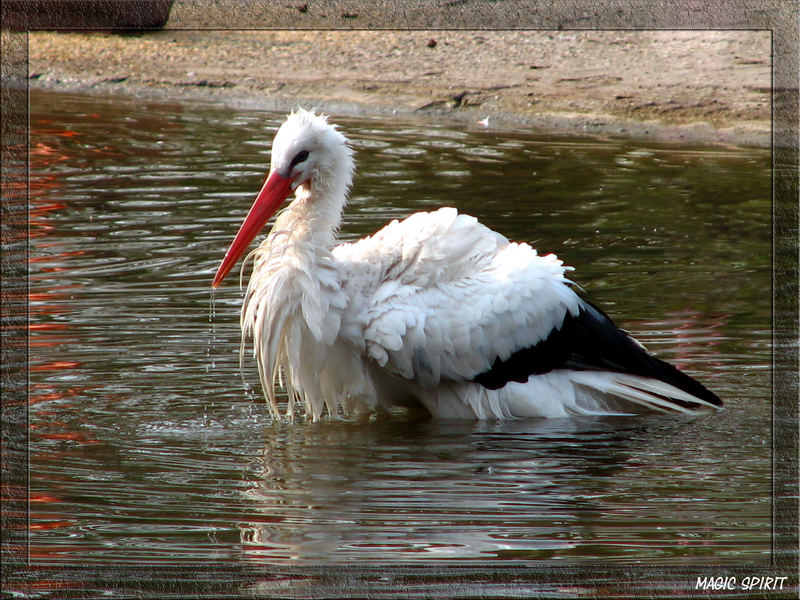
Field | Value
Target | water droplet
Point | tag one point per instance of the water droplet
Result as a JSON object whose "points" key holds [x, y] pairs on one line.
{"points": [[210, 362]]}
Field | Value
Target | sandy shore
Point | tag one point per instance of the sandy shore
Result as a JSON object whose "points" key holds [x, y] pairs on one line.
{"points": [[708, 86]]}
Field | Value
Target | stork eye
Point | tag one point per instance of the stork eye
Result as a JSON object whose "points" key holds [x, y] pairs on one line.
{"points": [[301, 156]]}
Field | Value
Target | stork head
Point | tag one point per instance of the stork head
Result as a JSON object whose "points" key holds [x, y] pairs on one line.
{"points": [[307, 153], [310, 151]]}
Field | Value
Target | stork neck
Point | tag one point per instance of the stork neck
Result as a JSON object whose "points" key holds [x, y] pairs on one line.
{"points": [[314, 216]]}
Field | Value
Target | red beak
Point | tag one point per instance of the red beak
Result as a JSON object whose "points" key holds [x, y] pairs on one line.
{"points": [[276, 189]]}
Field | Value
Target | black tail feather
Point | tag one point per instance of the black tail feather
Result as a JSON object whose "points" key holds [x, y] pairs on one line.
{"points": [[591, 341]]}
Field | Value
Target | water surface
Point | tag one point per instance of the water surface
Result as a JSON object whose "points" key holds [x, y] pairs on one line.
{"points": [[148, 445]]}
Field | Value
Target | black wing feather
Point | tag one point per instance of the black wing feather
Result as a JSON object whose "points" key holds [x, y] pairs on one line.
{"points": [[590, 341]]}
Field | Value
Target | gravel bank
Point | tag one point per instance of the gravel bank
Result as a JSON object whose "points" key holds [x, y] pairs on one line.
{"points": [[707, 86]]}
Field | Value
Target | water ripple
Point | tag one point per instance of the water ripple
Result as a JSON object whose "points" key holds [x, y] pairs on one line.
{"points": [[149, 444]]}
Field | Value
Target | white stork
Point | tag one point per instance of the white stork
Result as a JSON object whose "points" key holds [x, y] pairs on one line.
{"points": [[436, 311]]}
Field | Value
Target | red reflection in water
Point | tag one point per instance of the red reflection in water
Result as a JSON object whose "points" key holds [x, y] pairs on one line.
{"points": [[71, 436], [698, 329], [57, 364], [47, 525], [47, 326], [40, 208], [45, 424], [37, 259], [49, 306], [56, 429], [48, 300], [43, 393], [41, 340], [43, 498], [48, 586]]}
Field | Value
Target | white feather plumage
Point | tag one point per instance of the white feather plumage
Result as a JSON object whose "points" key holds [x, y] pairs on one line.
{"points": [[413, 313]]}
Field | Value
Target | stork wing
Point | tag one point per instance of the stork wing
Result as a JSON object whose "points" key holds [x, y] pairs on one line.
{"points": [[446, 297], [441, 296]]}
